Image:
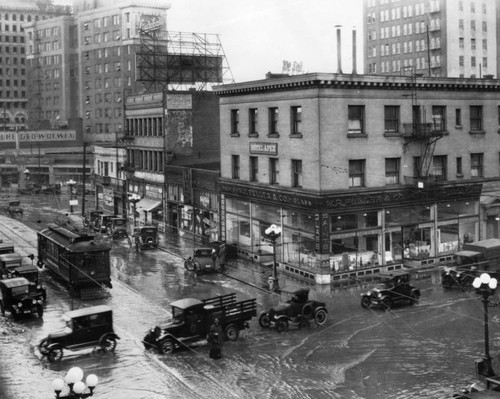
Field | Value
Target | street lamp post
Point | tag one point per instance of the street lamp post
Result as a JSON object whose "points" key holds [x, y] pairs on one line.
{"points": [[26, 177], [71, 183], [134, 199], [75, 386], [272, 233], [485, 286]]}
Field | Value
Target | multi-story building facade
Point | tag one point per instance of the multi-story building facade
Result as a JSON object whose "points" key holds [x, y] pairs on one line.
{"points": [[172, 151], [357, 171], [453, 38]]}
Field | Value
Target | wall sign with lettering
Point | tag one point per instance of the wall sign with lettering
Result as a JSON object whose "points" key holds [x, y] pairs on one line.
{"points": [[264, 148]]}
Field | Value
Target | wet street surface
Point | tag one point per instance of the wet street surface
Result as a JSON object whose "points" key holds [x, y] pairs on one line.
{"points": [[421, 351]]}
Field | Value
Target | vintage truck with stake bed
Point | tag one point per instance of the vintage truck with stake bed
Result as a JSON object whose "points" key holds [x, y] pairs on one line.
{"points": [[192, 318]]}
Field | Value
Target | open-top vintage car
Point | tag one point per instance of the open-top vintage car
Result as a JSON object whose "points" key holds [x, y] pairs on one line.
{"points": [[17, 297], [299, 310], [146, 237], [394, 289], [91, 326], [201, 262]]}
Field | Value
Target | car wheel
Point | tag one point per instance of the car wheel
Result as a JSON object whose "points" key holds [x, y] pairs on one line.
{"points": [[265, 320], [39, 311], [55, 355], [467, 284], [281, 325], [387, 304], [167, 346], [307, 310], [320, 316], [366, 302], [43, 346], [232, 332], [108, 343]]}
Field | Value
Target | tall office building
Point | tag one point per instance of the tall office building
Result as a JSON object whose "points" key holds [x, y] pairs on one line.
{"points": [[14, 14], [439, 38]]}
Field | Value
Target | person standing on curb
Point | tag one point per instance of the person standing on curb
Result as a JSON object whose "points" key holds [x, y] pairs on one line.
{"points": [[215, 339]]}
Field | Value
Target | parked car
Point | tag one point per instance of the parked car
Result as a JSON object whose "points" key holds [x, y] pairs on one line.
{"points": [[103, 223], [146, 237], [118, 228], [192, 318], [86, 327], [202, 261], [14, 207], [19, 299], [394, 289], [458, 277], [298, 311], [11, 266]]}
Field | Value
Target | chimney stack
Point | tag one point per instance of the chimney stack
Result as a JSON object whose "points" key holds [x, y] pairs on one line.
{"points": [[339, 49], [354, 72]]}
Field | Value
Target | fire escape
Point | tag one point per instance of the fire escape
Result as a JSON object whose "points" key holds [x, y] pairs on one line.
{"points": [[423, 134]]}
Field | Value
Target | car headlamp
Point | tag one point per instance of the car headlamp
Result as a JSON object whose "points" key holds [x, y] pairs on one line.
{"points": [[33, 301], [20, 305]]}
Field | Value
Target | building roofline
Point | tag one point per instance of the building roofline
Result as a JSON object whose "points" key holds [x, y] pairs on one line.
{"points": [[346, 81]]}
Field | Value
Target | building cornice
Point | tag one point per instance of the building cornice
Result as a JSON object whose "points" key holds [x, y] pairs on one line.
{"points": [[358, 82]]}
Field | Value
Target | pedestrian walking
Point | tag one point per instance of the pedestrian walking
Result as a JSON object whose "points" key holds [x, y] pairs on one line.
{"points": [[222, 258], [215, 339]]}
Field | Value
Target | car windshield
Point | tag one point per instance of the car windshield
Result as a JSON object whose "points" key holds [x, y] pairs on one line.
{"points": [[177, 315], [203, 252], [120, 222], [21, 290]]}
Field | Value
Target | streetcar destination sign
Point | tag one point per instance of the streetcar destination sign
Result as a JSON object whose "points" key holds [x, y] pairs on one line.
{"points": [[40, 135]]}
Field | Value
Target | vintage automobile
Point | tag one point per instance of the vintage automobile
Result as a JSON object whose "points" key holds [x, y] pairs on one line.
{"points": [[91, 326], [11, 266], [103, 223], [394, 289], [17, 298], [6, 247], [299, 310], [192, 318], [201, 261], [146, 237], [14, 207], [118, 228], [454, 277]]}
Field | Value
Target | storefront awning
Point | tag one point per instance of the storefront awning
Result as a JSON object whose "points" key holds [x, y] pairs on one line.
{"points": [[147, 205]]}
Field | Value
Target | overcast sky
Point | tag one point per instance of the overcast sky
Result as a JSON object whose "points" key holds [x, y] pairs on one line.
{"points": [[257, 35]]}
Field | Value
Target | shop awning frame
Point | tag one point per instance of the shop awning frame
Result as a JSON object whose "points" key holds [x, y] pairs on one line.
{"points": [[147, 205]]}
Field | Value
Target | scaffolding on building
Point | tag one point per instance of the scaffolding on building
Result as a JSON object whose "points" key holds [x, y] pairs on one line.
{"points": [[181, 61]]}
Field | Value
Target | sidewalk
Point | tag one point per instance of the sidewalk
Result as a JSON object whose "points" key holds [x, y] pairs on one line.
{"points": [[241, 269]]}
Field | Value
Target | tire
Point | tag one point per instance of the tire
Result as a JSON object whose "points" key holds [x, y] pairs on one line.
{"points": [[167, 346], [387, 304], [108, 343], [55, 355], [232, 332], [320, 316], [281, 325], [366, 302], [39, 310], [265, 320], [43, 346], [307, 310]]}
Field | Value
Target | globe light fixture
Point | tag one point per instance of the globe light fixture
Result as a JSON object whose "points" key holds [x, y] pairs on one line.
{"points": [[273, 233], [134, 199], [75, 386], [71, 183]]}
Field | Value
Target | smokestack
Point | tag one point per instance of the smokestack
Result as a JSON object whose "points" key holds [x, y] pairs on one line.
{"points": [[339, 57], [354, 72]]}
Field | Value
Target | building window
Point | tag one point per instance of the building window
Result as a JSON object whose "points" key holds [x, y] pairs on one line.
{"points": [[296, 173], [459, 166], [391, 119], [235, 120], [356, 117], [357, 173], [254, 168], [253, 119], [439, 169], [392, 171], [476, 165], [273, 121], [458, 117], [273, 171], [476, 118], [296, 120], [235, 167], [439, 118]]}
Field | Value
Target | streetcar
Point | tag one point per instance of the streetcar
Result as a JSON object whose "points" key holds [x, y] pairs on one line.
{"points": [[80, 260]]}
